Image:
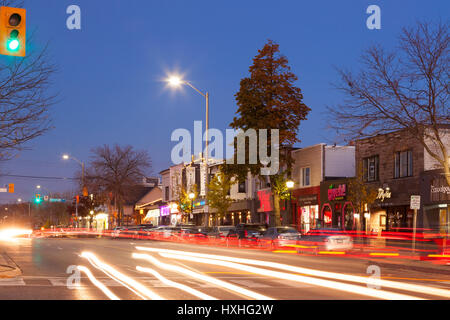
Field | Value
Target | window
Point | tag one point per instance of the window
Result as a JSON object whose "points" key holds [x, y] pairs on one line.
{"points": [[166, 197], [241, 187], [403, 164], [305, 177], [371, 168]]}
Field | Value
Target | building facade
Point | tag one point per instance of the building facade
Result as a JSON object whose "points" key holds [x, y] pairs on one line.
{"points": [[312, 166], [398, 166]]}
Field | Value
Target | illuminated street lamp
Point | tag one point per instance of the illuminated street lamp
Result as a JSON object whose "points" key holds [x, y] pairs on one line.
{"points": [[175, 82], [67, 157]]}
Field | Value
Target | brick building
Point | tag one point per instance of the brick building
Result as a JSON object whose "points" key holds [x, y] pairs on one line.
{"points": [[396, 164]]}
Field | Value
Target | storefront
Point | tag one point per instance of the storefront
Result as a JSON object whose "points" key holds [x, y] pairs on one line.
{"points": [[336, 210], [391, 210], [435, 195], [152, 217], [265, 207], [307, 212], [197, 217], [305, 208], [176, 217], [164, 215]]}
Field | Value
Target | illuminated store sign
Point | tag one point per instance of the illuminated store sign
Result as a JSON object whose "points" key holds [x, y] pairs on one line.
{"points": [[337, 193], [152, 213], [165, 211], [441, 189], [384, 194]]}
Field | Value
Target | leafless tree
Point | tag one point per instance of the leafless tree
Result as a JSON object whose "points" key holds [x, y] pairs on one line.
{"points": [[113, 170], [24, 96], [403, 90]]}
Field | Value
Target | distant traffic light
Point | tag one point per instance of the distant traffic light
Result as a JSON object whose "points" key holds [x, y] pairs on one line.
{"points": [[37, 198], [12, 31]]}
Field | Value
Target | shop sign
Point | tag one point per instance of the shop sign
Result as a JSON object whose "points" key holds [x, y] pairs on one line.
{"points": [[152, 214], [384, 194], [164, 211], [441, 189], [337, 193], [199, 203], [307, 200]]}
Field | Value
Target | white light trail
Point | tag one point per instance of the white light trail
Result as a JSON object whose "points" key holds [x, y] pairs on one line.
{"points": [[195, 275], [128, 282], [380, 294], [177, 285], [98, 284], [10, 234], [318, 273]]}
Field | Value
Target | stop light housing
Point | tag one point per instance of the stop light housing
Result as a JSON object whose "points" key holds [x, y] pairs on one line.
{"points": [[38, 199], [12, 31]]}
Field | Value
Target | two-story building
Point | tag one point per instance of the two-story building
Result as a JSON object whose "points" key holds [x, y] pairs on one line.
{"points": [[398, 166], [312, 166]]}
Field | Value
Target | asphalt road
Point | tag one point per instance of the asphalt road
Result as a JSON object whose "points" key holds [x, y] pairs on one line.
{"points": [[46, 271]]}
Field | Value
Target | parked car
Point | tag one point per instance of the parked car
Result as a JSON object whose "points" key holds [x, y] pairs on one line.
{"points": [[166, 232], [328, 239], [279, 236], [220, 232], [246, 234], [116, 232], [194, 233]]}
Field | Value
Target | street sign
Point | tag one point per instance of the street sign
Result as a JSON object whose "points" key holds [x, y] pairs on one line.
{"points": [[57, 200], [3, 189], [415, 203], [11, 188], [45, 198]]}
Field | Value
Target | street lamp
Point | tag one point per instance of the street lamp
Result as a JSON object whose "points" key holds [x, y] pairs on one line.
{"points": [[176, 81], [290, 184], [67, 157]]}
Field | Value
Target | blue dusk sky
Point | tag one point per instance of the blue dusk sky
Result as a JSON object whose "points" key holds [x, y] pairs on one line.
{"points": [[110, 78]]}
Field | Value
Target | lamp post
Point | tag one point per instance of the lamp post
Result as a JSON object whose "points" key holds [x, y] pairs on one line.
{"points": [[290, 186], [67, 157], [192, 196], [176, 81]]}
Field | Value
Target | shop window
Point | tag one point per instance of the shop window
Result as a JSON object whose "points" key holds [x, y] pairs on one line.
{"points": [[371, 168], [305, 176], [403, 166]]}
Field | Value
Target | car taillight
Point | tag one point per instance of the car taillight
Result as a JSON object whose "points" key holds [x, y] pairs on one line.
{"points": [[245, 233]]}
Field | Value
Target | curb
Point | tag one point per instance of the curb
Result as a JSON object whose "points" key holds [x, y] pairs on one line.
{"points": [[423, 269], [8, 268]]}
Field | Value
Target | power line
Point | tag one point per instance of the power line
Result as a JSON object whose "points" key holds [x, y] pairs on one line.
{"points": [[37, 177]]}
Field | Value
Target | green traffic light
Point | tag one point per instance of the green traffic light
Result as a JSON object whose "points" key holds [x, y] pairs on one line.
{"points": [[37, 200], [13, 45]]}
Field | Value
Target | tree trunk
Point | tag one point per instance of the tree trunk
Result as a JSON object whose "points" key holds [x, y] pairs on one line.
{"points": [[276, 209]]}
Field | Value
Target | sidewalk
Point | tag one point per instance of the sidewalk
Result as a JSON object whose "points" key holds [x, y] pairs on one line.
{"points": [[8, 269]]}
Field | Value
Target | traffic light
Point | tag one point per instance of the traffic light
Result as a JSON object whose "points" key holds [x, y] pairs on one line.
{"points": [[12, 31], [38, 199]]}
